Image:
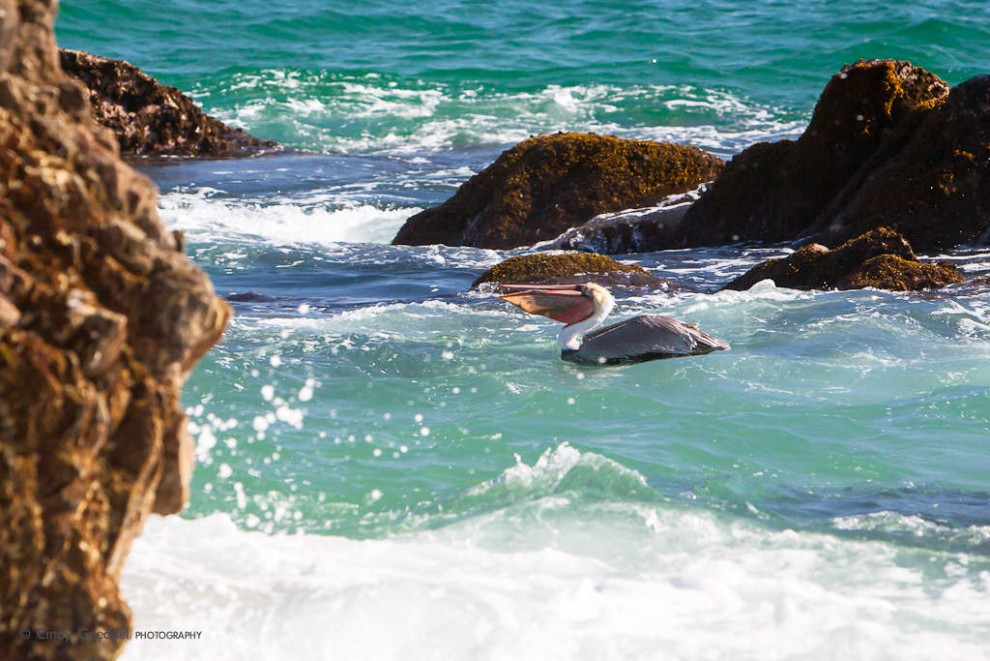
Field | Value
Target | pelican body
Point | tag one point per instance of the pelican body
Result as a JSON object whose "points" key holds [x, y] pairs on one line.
{"points": [[583, 307]]}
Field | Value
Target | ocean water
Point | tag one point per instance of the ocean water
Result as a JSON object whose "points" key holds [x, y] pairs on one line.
{"points": [[394, 467]]}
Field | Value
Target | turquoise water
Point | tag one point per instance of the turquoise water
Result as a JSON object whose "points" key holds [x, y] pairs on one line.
{"points": [[391, 466]]}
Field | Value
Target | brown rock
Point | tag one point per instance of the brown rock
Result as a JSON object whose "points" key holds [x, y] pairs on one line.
{"points": [[931, 180], [150, 118], [882, 259], [548, 184], [101, 319], [571, 268], [774, 191]]}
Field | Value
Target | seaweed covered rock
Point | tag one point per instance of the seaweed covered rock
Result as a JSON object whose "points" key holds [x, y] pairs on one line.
{"points": [[547, 184], [150, 118], [932, 183], [900, 274], [775, 191], [101, 319], [881, 258], [570, 268]]}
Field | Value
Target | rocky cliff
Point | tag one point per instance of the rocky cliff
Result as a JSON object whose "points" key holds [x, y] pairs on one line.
{"points": [[101, 319]]}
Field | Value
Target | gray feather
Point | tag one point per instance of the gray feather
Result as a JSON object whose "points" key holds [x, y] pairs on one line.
{"points": [[646, 337]]}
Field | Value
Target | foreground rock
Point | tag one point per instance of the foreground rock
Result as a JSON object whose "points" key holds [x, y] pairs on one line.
{"points": [[776, 191], [101, 319], [548, 184], [572, 268], [882, 259], [150, 118]]}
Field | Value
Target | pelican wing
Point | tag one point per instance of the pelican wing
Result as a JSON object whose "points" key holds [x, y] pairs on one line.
{"points": [[646, 337]]}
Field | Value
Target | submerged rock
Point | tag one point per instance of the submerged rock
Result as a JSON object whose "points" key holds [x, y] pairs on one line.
{"points": [[881, 258], [931, 182], [153, 119], [101, 319], [572, 268], [775, 191], [547, 184]]}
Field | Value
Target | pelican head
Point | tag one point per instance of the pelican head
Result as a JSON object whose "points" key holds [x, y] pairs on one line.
{"points": [[580, 307]]}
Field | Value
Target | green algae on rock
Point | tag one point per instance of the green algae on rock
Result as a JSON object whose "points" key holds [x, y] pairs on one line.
{"points": [[151, 119], [569, 268], [774, 191], [547, 184], [881, 258]]}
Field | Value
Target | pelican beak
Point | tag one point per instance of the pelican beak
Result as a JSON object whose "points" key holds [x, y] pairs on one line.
{"points": [[564, 303]]}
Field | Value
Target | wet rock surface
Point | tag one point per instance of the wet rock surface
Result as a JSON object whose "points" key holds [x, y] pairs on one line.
{"points": [[101, 319], [635, 230]]}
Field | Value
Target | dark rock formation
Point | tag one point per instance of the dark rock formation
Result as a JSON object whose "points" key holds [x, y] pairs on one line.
{"points": [[775, 191], [881, 258], [150, 118], [101, 319], [930, 181], [572, 268], [547, 184]]}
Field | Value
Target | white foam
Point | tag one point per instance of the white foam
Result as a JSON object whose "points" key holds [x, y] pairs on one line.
{"points": [[916, 526], [205, 213], [647, 583], [551, 468], [762, 291], [318, 109]]}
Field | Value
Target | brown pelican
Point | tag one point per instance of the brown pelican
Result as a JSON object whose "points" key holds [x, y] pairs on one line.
{"points": [[582, 307]]}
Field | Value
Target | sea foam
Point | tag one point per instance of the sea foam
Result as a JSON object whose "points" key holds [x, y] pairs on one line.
{"points": [[678, 584], [207, 214], [335, 112]]}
